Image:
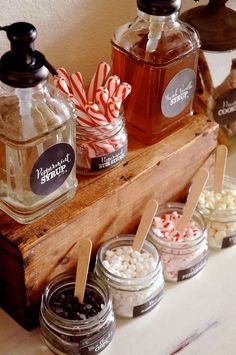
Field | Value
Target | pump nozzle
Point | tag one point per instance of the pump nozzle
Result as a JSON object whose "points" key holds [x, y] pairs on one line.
{"points": [[23, 66]]}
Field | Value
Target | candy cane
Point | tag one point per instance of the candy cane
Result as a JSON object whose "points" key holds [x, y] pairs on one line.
{"points": [[98, 79], [112, 84], [122, 91], [77, 87], [60, 83], [101, 99], [96, 116], [63, 74], [113, 108]]}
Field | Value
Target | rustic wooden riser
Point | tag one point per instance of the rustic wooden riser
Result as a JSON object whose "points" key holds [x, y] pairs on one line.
{"points": [[104, 206]]}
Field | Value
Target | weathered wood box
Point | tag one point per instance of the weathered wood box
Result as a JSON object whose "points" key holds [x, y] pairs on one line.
{"points": [[104, 206]]}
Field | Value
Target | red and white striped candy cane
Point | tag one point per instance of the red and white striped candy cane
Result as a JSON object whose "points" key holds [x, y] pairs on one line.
{"points": [[112, 84], [122, 91], [104, 147], [101, 99], [113, 108], [63, 74], [96, 116], [98, 79], [78, 90], [60, 83]]}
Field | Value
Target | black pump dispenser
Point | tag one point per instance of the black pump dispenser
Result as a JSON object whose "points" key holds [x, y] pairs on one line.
{"points": [[22, 66], [159, 7]]}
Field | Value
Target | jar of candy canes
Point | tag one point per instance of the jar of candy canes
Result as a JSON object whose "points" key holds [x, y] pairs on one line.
{"points": [[135, 278], [183, 256], [100, 147], [69, 327], [219, 211]]}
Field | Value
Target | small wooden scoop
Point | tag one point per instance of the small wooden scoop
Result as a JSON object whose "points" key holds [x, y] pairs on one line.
{"points": [[84, 254], [220, 164], [198, 185], [144, 225]]}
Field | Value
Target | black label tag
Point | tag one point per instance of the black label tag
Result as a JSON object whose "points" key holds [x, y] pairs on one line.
{"points": [[229, 241], [192, 271], [108, 160], [101, 343], [225, 108], [52, 169], [147, 306], [178, 93]]}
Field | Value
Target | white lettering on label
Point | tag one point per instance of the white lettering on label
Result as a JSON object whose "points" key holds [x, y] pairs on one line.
{"points": [[180, 94], [53, 170], [227, 107]]}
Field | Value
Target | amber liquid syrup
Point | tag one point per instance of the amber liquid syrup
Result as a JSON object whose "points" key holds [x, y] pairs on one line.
{"points": [[142, 108]]}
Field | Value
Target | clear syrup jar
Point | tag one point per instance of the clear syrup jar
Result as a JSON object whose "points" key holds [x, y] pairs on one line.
{"points": [[37, 132], [87, 336], [158, 55]]}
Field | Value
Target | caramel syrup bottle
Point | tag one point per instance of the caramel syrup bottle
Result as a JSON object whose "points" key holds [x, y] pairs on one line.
{"points": [[157, 54]]}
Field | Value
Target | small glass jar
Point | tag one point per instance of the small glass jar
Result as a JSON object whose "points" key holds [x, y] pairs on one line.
{"points": [[181, 260], [221, 221], [101, 147], [135, 296], [65, 336]]}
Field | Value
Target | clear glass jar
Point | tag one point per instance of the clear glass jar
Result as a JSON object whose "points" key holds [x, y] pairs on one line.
{"points": [[64, 336], [102, 147], [157, 55], [37, 146], [221, 221], [181, 260], [131, 297]]}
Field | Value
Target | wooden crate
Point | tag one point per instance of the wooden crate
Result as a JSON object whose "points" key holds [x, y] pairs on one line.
{"points": [[104, 206]]}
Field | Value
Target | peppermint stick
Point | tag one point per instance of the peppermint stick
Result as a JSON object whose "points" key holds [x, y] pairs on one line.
{"points": [[98, 79]]}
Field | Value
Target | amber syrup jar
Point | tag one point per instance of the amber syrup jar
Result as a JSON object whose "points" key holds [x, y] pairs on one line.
{"points": [[158, 55]]}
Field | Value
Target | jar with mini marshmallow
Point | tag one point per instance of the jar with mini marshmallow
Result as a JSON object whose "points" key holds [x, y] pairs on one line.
{"points": [[183, 255], [101, 147], [135, 278], [69, 328], [219, 211]]}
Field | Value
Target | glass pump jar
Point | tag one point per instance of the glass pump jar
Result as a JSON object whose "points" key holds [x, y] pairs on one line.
{"points": [[37, 132], [132, 296], [184, 259], [220, 217], [157, 54], [102, 147], [65, 336]]}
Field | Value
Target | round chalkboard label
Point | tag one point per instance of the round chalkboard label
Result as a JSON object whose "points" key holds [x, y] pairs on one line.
{"points": [[52, 168], [225, 108], [178, 93]]}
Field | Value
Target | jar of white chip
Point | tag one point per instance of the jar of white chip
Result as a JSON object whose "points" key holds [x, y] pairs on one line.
{"points": [[219, 211], [135, 278], [183, 255]]}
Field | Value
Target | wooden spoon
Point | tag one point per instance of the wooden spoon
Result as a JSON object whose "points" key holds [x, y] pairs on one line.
{"points": [[220, 164], [198, 185], [84, 254], [144, 225]]}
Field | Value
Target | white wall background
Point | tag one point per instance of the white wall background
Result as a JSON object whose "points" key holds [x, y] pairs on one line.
{"points": [[73, 33]]}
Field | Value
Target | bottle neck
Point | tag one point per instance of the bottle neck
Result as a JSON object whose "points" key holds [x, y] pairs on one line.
{"points": [[158, 19]]}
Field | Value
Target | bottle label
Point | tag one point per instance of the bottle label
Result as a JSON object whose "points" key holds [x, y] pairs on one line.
{"points": [[52, 169], [100, 344], [229, 241], [192, 271], [147, 306], [225, 108], [108, 160], [178, 93]]}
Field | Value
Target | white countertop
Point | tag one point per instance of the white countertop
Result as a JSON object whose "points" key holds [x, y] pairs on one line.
{"points": [[197, 315]]}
